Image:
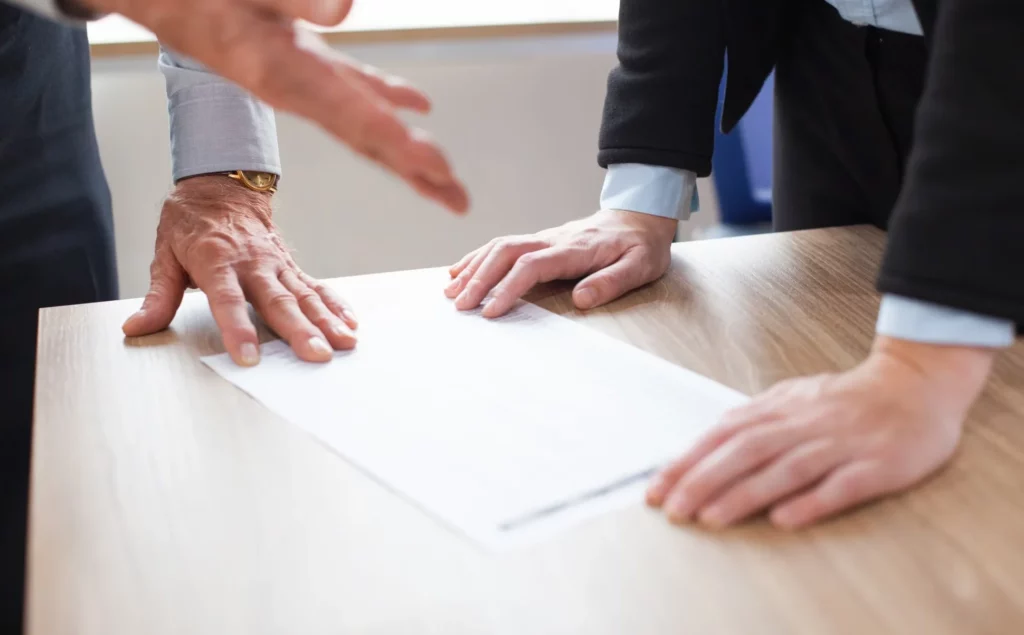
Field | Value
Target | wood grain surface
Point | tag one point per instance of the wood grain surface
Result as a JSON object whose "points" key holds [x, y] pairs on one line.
{"points": [[165, 501]]}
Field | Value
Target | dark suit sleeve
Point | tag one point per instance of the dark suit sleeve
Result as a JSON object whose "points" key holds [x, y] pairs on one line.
{"points": [[663, 95], [957, 233]]}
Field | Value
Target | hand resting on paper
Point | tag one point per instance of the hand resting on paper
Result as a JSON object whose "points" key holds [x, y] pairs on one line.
{"points": [[617, 251], [219, 236], [815, 446]]}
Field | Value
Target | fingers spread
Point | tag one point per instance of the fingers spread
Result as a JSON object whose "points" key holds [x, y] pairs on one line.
{"points": [[793, 471], [168, 282], [313, 307], [452, 196], [458, 267], [231, 312], [705, 445], [493, 268], [734, 459], [630, 272], [469, 270], [311, 79], [280, 309], [399, 92], [846, 487]]}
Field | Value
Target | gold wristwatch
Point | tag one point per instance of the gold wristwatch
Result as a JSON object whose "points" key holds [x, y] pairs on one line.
{"points": [[256, 181]]}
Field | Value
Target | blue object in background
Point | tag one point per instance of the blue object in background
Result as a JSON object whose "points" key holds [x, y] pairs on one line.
{"points": [[742, 164]]}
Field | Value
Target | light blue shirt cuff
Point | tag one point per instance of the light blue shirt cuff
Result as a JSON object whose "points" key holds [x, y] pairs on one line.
{"points": [[215, 125], [650, 189], [917, 321]]}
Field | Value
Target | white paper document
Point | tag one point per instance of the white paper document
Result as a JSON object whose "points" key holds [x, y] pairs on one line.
{"points": [[502, 429]]}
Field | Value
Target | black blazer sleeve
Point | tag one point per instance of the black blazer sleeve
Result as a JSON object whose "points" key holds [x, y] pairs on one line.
{"points": [[957, 233], [663, 95]]}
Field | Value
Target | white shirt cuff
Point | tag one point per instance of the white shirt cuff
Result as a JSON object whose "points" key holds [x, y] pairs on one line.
{"points": [[650, 189], [918, 321]]}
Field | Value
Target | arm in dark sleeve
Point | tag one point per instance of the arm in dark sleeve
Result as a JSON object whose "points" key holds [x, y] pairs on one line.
{"points": [[957, 233], [662, 97]]}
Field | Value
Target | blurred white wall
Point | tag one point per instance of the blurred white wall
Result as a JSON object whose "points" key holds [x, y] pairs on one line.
{"points": [[519, 118]]}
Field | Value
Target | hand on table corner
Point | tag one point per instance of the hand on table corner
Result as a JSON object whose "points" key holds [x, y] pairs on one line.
{"points": [[256, 44], [815, 446], [219, 236], [617, 251]]}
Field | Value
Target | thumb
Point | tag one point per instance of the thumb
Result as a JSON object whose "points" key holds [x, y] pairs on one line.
{"points": [[166, 289], [629, 272]]}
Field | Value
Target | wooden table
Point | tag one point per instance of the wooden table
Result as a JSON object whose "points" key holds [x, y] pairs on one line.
{"points": [[166, 501]]}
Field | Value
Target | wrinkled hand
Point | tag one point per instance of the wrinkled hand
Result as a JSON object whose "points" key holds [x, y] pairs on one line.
{"points": [[255, 44], [217, 235], [815, 446], [618, 251]]}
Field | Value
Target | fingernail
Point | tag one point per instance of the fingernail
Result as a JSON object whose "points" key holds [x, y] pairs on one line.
{"points": [[677, 509], [327, 10], [713, 517], [656, 493], [454, 287], [351, 317], [462, 300], [132, 319], [341, 330], [319, 345], [783, 519], [250, 354], [586, 299]]}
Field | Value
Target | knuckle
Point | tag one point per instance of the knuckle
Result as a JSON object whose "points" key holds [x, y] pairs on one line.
{"points": [[316, 286], [307, 297], [620, 242], [214, 246], [530, 260], [504, 245], [323, 322], [226, 294], [580, 241], [281, 300]]}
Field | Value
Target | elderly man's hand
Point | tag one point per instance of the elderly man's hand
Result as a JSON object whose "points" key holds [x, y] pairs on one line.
{"points": [[255, 44], [219, 236]]}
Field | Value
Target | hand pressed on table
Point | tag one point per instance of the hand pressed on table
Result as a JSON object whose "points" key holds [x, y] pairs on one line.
{"points": [[617, 251], [813, 447], [218, 236]]}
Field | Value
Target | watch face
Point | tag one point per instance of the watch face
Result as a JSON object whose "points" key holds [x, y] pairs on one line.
{"points": [[260, 179]]}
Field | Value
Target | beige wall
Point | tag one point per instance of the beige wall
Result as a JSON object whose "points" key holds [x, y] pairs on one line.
{"points": [[519, 118]]}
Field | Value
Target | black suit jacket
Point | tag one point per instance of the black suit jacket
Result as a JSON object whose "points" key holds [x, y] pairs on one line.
{"points": [[957, 233]]}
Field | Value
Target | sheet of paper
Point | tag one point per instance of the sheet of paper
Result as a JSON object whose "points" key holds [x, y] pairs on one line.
{"points": [[501, 429]]}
